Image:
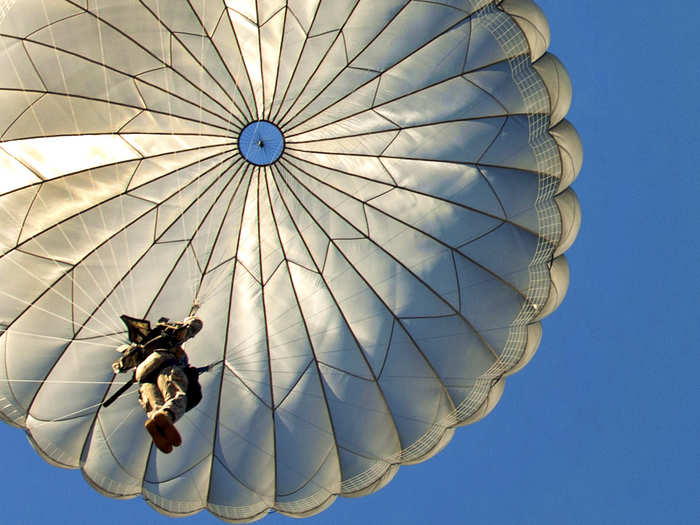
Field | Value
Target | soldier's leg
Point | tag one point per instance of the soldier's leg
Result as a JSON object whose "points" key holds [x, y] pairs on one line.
{"points": [[152, 401], [150, 398], [172, 383]]}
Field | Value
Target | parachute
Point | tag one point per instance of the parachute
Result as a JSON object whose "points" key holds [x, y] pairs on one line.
{"points": [[366, 202]]}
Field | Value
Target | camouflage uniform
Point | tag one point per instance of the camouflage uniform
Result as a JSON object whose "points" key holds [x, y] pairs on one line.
{"points": [[168, 394], [160, 364]]}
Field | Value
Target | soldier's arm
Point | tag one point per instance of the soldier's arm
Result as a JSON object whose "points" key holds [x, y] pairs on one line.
{"points": [[130, 358]]}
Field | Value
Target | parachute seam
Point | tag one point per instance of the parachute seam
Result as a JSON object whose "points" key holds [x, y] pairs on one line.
{"points": [[90, 174], [11, 391], [310, 480], [390, 101], [260, 110], [398, 132], [439, 161], [412, 227], [489, 232], [442, 4], [279, 59], [88, 338], [468, 18], [170, 113], [388, 346], [137, 161], [52, 22], [298, 61], [241, 167], [204, 270], [230, 473], [459, 288], [29, 106], [345, 371], [485, 91], [495, 138], [185, 471], [31, 59], [504, 219], [282, 118], [24, 222], [293, 386], [396, 318], [139, 111], [374, 38], [226, 365], [340, 312], [72, 302], [430, 436], [247, 387], [468, 44], [38, 256], [345, 47], [133, 77], [331, 423], [203, 68], [125, 193], [267, 332], [217, 266], [86, 448], [403, 128], [254, 22], [427, 286], [41, 80], [493, 191]]}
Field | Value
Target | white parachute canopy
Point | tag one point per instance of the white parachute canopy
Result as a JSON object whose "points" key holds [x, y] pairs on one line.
{"points": [[366, 202]]}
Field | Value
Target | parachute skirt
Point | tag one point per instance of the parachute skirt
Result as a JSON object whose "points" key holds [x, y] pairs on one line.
{"points": [[365, 292]]}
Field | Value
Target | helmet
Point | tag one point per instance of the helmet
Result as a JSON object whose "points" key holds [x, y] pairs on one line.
{"points": [[194, 325]]}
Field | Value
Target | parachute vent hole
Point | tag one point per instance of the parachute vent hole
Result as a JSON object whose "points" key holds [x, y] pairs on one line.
{"points": [[261, 143]]}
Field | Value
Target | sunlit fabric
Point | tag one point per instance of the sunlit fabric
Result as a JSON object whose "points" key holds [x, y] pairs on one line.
{"points": [[365, 201]]}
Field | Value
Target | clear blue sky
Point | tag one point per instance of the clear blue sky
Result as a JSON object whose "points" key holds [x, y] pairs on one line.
{"points": [[602, 426]]}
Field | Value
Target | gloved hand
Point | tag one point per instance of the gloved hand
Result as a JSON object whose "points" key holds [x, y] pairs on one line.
{"points": [[132, 355], [123, 348]]}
